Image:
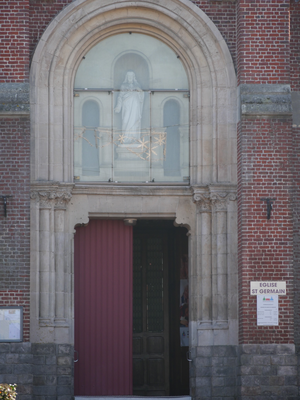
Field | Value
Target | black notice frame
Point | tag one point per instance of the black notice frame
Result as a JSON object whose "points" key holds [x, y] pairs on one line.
{"points": [[11, 324]]}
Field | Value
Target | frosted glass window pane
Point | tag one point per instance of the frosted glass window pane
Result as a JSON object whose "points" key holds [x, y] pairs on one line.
{"points": [[93, 136], [131, 112], [155, 64], [90, 154], [170, 136]]}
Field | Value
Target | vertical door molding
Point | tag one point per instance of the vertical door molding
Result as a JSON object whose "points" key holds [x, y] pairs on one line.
{"points": [[211, 307], [51, 260]]}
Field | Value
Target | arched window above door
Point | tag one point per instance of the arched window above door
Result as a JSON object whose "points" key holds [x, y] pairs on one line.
{"points": [[140, 86]]}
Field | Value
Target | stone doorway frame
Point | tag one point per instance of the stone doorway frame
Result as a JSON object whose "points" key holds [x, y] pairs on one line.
{"points": [[207, 207]]}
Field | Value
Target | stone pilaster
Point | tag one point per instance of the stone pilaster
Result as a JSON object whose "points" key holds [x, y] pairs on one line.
{"points": [[212, 232], [53, 264]]}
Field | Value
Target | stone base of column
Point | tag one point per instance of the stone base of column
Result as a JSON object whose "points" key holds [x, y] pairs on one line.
{"points": [[245, 372], [41, 371]]}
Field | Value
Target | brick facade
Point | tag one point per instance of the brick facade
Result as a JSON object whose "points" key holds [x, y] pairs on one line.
{"points": [[15, 229], [265, 246]]}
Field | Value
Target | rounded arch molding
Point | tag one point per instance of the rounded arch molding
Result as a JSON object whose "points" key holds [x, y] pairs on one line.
{"points": [[208, 207], [182, 26]]}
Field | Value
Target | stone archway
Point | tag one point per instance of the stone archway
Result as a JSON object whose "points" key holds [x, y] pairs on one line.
{"points": [[207, 206]]}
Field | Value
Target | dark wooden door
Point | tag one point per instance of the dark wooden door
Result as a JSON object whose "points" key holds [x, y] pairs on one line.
{"points": [[103, 308], [150, 314]]}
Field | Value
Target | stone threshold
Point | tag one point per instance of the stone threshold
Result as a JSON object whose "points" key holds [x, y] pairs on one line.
{"points": [[132, 397]]}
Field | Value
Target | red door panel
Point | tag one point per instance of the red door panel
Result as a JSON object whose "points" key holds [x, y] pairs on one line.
{"points": [[103, 308]]}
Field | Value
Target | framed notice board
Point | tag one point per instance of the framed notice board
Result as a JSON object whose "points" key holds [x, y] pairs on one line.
{"points": [[11, 324]]}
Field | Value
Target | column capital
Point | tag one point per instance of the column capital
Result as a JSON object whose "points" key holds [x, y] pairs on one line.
{"points": [[213, 198], [52, 196]]}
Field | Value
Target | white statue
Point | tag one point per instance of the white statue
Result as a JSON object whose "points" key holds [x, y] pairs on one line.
{"points": [[130, 101]]}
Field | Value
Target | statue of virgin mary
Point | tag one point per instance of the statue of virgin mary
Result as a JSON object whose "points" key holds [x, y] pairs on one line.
{"points": [[130, 101]]}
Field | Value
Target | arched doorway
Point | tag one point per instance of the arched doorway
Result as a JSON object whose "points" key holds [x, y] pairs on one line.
{"points": [[204, 202]]}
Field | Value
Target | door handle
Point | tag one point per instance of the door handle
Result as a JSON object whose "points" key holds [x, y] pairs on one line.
{"points": [[188, 356], [75, 351]]}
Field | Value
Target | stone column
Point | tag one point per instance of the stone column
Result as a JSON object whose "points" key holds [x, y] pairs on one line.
{"points": [[44, 262], [204, 257], [212, 269], [220, 293], [53, 247], [59, 264]]}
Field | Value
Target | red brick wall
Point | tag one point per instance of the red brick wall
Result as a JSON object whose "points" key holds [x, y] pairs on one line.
{"points": [[263, 41], [14, 39], [14, 229], [295, 86], [42, 13], [223, 15], [265, 247], [295, 46]]}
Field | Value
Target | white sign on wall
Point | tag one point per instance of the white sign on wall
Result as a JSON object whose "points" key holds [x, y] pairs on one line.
{"points": [[267, 310], [267, 288]]}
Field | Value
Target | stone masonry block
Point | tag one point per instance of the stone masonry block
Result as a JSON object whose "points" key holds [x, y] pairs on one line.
{"points": [[261, 360], [44, 369], [223, 391], [25, 358], [62, 390], [250, 391], [203, 382], [50, 360], [203, 371], [12, 358], [204, 351], [278, 360], [39, 380], [23, 347], [246, 359], [24, 389], [38, 360], [230, 381], [290, 380], [44, 380], [285, 349], [291, 360], [25, 397], [44, 390], [248, 349], [267, 348], [276, 380], [3, 358], [19, 369], [261, 380], [287, 370], [4, 348], [65, 397], [9, 378], [217, 381], [203, 362], [6, 369], [64, 361], [65, 380], [25, 379], [224, 361], [64, 349], [43, 349], [203, 392], [223, 371], [64, 371], [225, 351], [289, 391]]}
